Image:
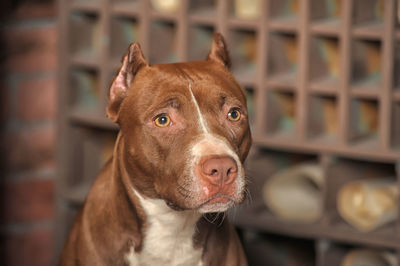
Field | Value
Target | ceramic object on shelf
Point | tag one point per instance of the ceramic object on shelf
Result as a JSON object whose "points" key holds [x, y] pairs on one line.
{"points": [[166, 6], [368, 204], [247, 9], [295, 194], [369, 257]]}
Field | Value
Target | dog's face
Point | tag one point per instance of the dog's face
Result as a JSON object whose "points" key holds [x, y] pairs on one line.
{"points": [[184, 129]]}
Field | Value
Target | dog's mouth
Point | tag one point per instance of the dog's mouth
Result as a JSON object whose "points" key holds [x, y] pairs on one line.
{"points": [[217, 203], [218, 198]]}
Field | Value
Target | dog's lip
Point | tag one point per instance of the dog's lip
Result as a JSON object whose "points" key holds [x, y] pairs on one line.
{"points": [[218, 198]]}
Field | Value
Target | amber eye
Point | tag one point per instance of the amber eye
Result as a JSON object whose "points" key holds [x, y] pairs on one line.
{"points": [[234, 115], [162, 120]]}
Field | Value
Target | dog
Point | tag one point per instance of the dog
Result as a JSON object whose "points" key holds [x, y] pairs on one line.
{"points": [[177, 163]]}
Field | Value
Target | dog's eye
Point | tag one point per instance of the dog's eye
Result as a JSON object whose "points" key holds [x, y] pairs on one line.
{"points": [[162, 120], [234, 114]]}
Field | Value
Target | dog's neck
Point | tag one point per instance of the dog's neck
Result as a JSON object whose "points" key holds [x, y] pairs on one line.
{"points": [[164, 215], [168, 235]]}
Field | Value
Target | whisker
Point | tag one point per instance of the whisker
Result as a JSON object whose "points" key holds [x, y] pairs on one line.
{"points": [[206, 218], [185, 192], [223, 218], [215, 217], [249, 198]]}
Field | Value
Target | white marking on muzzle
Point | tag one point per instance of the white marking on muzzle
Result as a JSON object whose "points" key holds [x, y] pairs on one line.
{"points": [[201, 119], [210, 144]]}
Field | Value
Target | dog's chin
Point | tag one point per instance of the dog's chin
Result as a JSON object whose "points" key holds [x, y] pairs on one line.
{"points": [[205, 207], [218, 203], [215, 207]]}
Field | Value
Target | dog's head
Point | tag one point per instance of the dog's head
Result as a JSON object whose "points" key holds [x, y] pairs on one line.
{"points": [[183, 128]]}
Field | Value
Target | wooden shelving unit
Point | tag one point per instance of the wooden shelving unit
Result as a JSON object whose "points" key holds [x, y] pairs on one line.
{"points": [[323, 85]]}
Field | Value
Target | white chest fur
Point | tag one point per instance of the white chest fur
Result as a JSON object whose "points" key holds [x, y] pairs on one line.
{"points": [[168, 239]]}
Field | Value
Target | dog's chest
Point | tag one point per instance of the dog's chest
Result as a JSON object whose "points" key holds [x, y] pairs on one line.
{"points": [[168, 238]]}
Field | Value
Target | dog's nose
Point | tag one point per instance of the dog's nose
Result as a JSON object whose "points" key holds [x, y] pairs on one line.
{"points": [[219, 170]]}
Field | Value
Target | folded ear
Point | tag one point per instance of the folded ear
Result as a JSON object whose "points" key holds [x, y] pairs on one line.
{"points": [[132, 61], [219, 51]]}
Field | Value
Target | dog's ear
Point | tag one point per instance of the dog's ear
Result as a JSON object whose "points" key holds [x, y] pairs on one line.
{"points": [[132, 61], [219, 51]]}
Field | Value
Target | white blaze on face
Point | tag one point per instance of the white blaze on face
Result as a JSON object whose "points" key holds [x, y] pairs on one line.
{"points": [[211, 144], [201, 119]]}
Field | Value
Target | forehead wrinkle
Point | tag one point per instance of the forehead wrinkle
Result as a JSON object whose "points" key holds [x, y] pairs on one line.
{"points": [[174, 101]]}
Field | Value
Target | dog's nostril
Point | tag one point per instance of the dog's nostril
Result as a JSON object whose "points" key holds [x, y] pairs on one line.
{"points": [[219, 169]]}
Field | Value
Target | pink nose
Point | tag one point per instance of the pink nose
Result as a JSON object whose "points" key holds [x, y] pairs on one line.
{"points": [[218, 170]]}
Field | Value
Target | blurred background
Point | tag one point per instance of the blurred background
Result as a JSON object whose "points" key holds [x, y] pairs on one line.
{"points": [[28, 62], [322, 79]]}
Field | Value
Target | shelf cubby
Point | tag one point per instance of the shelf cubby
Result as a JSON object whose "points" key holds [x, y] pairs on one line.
{"points": [[91, 119], [395, 134], [366, 69], [368, 18], [324, 63], [90, 151], [251, 105], [244, 9], [263, 164], [396, 69], [166, 33], [284, 14], [342, 171], [281, 111], [85, 5], [323, 118], [85, 35], [205, 8], [334, 253], [243, 54], [397, 20], [125, 7], [270, 249], [167, 8], [282, 62], [124, 31], [199, 41], [364, 122], [86, 89], [326, 16], [337, 253]]}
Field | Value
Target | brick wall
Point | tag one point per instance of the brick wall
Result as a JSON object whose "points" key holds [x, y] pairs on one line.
{"points": [[28, 88]]}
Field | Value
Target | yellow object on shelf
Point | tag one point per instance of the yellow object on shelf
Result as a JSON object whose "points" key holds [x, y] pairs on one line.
{"points": [[369, 257], [295, 194], [247, 9], [368, 204], [166, 6]]}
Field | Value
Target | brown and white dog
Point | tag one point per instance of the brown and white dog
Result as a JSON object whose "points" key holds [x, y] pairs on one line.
{"points": [[184, 135]]}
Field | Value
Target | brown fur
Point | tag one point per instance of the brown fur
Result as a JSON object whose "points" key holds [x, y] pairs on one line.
{"points": [[152, 160]]}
